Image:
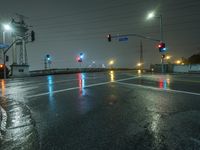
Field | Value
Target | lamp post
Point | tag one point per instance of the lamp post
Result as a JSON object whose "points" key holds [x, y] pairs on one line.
{"points": [[150, 16], [6, 27], [111, 62]]}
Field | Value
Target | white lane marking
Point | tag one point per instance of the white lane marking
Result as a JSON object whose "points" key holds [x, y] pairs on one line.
{"points": [[159, 89], [60, 81], [74, 88]]}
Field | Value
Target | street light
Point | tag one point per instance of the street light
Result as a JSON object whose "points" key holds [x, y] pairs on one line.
{"points": [[178, 62], [150, 16], [168, 57], [139, 64], [111, 62], [6, 28]]}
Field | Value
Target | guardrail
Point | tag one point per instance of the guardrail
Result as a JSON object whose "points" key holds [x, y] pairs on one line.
{"points": [[187, 68], [71, 70]]}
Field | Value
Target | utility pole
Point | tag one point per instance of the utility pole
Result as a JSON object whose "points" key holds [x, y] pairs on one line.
{"points": [[141, 54], [4, 57], [45, 63], [162, 40]]}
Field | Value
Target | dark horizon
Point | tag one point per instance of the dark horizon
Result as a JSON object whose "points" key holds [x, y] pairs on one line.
{"points": [[65, 29]]}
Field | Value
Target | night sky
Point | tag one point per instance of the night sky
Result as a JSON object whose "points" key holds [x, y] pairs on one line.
{"points": [[65, 28]]}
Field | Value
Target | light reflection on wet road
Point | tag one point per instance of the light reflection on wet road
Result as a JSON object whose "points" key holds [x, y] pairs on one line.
{"points": [[111, 110], [3, 88]]}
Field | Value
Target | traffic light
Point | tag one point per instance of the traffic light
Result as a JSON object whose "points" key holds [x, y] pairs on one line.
{"points": [[32, 36], [162, 47], [163, 56], [81, 55], [48, 57], [109, 37], [79, 59]]}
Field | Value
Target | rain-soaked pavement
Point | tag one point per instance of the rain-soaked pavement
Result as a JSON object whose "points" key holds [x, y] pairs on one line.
{"points": [[110, 110], [20, 132]]}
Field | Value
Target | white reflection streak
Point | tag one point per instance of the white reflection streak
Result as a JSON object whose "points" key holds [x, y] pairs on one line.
{"points": [[50, 88], [154, 124], [112, 76], [83, 84]]}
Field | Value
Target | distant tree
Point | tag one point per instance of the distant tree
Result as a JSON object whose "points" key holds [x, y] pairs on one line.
{"points": [[194, 59], [184, 60]]}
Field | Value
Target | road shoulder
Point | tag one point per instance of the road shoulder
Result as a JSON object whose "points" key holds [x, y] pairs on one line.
{"points": [[18, 129]]}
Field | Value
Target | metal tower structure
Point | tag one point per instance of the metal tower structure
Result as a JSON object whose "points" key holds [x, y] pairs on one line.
{"points": [[21, 33], [19, 49]]}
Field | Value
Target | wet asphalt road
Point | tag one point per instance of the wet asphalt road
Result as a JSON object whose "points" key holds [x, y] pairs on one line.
{"points": [[111, 110]]}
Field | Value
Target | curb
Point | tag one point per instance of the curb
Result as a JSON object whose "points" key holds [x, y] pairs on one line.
{"points": [[3, 121]]}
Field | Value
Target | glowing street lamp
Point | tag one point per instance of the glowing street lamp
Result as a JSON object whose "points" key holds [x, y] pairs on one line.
{"points": [[7, 27], [178, 62], [139, 64], [151, 15], [111, 62], [168, 57]]}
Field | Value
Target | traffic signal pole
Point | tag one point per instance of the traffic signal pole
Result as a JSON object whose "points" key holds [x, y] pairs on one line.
{"points": [[161, 28], [161, 39], [161, 45], [109, 37]]}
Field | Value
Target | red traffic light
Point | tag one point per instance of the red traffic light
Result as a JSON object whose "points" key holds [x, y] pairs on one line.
{"points": [[78, 59], [161, 47]]}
